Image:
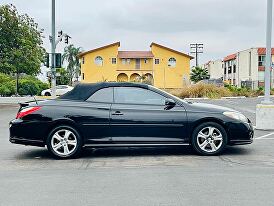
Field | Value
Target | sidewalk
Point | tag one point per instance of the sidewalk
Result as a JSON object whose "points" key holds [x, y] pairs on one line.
{"points": [[16, 100]]}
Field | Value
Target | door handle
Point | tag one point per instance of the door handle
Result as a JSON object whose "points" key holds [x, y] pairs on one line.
{"points": [[117, 113]]}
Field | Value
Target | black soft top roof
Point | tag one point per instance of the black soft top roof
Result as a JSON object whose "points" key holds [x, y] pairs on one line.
{"points": [[83, 91]]}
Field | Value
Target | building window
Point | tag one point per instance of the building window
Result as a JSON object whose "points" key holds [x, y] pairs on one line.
{"points": [[172, 62], [99, 61], [83, 76], [234, 68], [157, 61], [261, 61], [145, 61], [113, 60], [83, 60], [125, 61]]}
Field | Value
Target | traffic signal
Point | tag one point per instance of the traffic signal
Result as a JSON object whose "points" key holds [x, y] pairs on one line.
{"points": [[60, 33], [46, 60], [58, 60], [67, 37]]}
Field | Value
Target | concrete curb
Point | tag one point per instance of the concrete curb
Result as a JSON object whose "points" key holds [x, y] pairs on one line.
{"points": [[198, 98], [239, 97], [263, 96], [206, 98]]}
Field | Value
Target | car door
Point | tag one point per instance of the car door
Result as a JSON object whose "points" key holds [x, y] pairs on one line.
{"points": [[140, 115], [95, 122]]}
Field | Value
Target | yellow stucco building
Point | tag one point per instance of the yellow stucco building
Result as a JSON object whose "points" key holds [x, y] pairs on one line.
{"points": [[162, 66]]}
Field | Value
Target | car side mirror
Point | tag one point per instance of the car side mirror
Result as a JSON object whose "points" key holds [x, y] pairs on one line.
{"points": [[170, 103]]}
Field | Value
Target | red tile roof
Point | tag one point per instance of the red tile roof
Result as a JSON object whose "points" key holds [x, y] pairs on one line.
{"points": [[135, 54], [262, 51], [230, 57]]}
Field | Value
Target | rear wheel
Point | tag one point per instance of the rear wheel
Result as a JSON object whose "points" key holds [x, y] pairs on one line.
{"points": [[209, 138], [64, 142], [47, 94]]}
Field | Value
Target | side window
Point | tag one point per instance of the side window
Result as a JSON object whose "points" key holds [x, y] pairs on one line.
{"points": [[133, 95], [102, 95], [60, 87]]}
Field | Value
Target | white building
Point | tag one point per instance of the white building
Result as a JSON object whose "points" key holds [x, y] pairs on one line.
{"points": [[214, 69], [242, 67]]}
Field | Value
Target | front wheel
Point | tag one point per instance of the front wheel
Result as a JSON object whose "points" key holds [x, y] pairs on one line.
{"points": [[64, 142], [209, 138]]}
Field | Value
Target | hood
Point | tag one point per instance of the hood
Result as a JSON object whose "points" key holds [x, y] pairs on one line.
{"points": [[203, 107]]}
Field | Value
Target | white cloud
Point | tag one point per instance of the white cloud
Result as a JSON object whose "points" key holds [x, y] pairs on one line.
{"points": [[223, 26]]}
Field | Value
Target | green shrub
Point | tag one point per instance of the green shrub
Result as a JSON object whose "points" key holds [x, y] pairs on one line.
{"points": [[4, 78], [28, 85], [5, 91]]}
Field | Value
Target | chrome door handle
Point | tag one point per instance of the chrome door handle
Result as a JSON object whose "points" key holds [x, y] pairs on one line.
{"points": [[117, 113]]}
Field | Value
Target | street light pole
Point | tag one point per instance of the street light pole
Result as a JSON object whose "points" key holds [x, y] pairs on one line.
{"points": [[53, 70], [268, 61]]}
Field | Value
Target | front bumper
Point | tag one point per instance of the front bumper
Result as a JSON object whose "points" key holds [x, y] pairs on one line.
{"points": [[240, 133]]}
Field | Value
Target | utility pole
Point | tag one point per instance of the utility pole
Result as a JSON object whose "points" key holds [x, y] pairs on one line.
{"points": [[53, 46], [196, 49], [265, 110], [268, 61]]}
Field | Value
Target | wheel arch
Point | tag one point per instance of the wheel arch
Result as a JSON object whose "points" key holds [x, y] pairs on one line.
{"points": [[64, 122], [207, 119]]}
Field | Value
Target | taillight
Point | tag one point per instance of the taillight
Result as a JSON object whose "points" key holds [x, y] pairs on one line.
{"points": [[27, 111]]}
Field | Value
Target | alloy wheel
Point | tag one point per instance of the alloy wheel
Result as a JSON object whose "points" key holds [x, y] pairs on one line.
{"points": [[210, 139], [64, 142]]}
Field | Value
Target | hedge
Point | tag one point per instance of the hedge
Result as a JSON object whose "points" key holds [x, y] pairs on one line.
{"points": [[28, 85]]}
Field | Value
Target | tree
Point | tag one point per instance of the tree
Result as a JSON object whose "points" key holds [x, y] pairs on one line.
{"points": [[63, 79], [198, 74], [73, 65], [21, 42]]}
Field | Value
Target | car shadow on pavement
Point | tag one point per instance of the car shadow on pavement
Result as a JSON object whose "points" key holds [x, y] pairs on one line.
{"points": [[42, 153]]}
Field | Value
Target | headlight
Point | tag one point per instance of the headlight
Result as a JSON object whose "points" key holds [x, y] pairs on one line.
{"points": [[237, 116]]}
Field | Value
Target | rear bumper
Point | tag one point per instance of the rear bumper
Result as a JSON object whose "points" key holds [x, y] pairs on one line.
{"points": [[27, 133]]}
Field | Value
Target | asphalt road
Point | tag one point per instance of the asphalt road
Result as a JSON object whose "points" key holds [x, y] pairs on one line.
{"points": [[243, 175]]}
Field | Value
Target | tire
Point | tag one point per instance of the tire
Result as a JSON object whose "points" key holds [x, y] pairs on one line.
{"points": [[47, 94], [64, 142], [209, 138]]}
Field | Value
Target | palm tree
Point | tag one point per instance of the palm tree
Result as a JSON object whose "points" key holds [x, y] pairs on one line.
{"points": [[198, 74], [73, 65]]}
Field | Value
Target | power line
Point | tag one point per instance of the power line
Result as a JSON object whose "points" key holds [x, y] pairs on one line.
{"points": [[196, 49]]}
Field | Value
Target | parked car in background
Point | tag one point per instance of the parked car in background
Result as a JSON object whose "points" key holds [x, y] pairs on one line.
{"points": [[126, 114], [60, 90], [216, 82]]}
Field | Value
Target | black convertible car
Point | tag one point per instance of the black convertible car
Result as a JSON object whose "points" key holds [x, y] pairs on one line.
{"points": [[126, 114]]}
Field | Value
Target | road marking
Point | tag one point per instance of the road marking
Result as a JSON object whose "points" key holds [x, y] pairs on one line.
{"points": [[264, 136]]}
